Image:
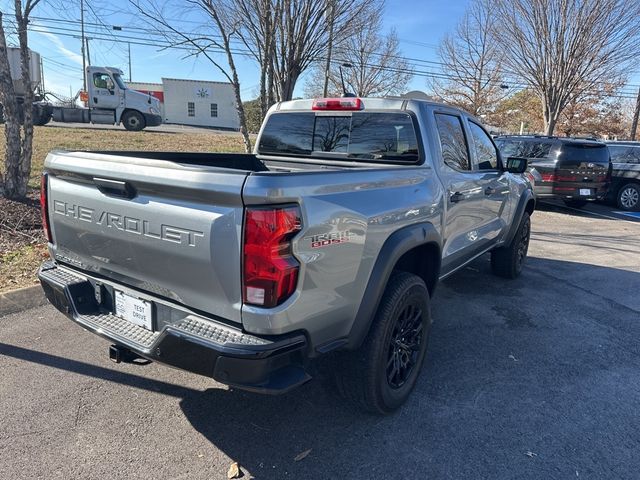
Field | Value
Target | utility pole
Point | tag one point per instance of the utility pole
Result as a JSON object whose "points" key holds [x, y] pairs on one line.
{"points": [[84, 65], [634, 125], [88, 56], [332, 6], [129, 43]]}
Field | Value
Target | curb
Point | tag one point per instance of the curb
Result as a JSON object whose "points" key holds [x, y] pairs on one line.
{"points": [[21, 299]]}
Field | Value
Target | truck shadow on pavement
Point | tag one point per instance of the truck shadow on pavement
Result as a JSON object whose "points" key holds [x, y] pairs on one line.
{"points": [[526, 378]]}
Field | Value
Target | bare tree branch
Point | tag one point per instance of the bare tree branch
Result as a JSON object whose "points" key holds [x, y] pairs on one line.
{"points": [[472, 63], [566, 49], [377, 68]]}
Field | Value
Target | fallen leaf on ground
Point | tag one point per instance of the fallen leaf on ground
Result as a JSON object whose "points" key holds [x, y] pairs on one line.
{"points": [[234, 471], [302, 455]]}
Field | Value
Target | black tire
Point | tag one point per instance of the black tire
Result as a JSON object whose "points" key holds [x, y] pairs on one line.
{"points": [[381, 374], [41, 120], [507, 261], [575, 203], [629, 197], [133, 121]]}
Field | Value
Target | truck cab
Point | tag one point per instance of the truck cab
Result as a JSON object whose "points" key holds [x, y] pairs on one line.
{"points": [[111, 102]]}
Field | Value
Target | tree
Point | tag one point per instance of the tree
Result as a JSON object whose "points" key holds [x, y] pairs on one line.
{"points": [[303, 34], [522, 109], [19, 144], [253, 111], [376, 67], [258, 33], [223, 24], [471, 63], [598, 114], [564, 49]]}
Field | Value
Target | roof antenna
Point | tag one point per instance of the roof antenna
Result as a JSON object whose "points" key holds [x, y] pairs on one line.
{"points": [[345, 94]]}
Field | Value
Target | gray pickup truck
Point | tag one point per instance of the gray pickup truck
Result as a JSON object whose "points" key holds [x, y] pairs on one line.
{"points": [[330, 238]]}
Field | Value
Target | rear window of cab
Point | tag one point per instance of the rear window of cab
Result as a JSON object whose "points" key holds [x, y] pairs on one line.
{"points": [[370, 136]]}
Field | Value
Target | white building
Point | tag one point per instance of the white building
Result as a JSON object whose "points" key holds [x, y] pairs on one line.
{"points": [[194, 102]]}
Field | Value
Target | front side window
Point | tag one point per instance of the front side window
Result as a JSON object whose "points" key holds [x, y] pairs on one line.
{"points": [[486, 156], [452, 141], [214, 110], [102, 80], [191, 109]]}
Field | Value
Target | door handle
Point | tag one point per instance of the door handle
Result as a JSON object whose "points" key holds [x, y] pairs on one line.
{"points": [[489, 191], [456, 197], [115, 188]]}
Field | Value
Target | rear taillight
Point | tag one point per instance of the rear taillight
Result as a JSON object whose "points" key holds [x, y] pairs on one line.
{"points": [[44, 206], [337, 104], [270, 269], [548, 177]]}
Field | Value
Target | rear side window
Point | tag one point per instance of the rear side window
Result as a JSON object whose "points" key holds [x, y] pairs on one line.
{"points": [[453, 142], [624, 154], [537, 149], [365, 136], [524, 148], [585, 152], [486, 156], [509, 148]]}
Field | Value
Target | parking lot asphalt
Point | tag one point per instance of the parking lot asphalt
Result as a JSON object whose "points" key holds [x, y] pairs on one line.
{"points": [[532, 378]]}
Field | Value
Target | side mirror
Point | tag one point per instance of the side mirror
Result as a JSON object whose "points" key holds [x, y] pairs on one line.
{"points": [[516, 165]]}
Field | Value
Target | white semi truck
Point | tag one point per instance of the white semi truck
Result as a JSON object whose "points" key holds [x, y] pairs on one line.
{"points": [[107, 98]]}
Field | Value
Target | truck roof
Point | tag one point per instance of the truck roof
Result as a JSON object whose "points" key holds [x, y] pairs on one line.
{"points": [[376, 103]]}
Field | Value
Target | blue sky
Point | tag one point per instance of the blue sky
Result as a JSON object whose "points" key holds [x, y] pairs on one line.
{"points": [[420, 25]]}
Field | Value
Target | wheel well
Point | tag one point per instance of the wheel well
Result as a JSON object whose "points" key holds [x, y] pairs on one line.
{"points": [[531, 205], [423, 261], [129, 110], [628, 181]]}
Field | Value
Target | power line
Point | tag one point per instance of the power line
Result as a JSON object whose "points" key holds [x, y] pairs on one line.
{"points": [[410, 60], [165, 44]]}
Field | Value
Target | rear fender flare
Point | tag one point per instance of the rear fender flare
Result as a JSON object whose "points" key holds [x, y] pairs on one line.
{"points": [[398, 243]]}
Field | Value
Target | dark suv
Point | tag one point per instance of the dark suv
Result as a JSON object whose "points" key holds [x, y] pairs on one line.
{"points": [[625, 178], [574, 170]]}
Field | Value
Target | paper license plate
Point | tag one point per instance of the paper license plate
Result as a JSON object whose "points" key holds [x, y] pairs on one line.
{"points": [[585, 191], [134, 310]]}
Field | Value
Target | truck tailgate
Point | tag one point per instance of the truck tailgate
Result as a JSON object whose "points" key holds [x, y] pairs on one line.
{"points": [[165, 228]]}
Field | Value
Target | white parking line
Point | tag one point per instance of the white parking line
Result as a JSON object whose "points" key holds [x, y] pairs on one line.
{"points": [[598, 214]]}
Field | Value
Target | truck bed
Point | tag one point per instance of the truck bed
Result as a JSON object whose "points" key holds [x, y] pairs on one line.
{"points": [[171, 223]]}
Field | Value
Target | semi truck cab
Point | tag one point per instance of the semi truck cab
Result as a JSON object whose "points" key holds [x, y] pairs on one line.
{"points": [[110, 101]]}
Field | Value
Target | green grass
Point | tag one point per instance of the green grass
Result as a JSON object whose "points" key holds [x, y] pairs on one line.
{"points": [[18, 267], [51, 138]]}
